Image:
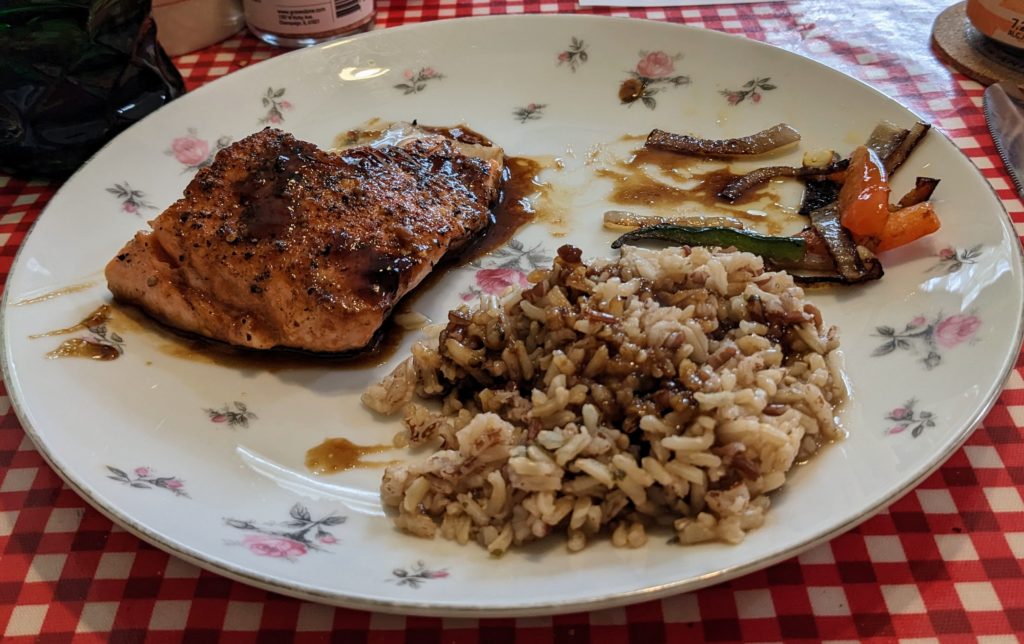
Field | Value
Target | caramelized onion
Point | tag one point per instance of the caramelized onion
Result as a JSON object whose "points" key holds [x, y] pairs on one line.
{"points": [[735, 188], [885, 138], [762, 142], [896, 158], [625, 220], [893, 144]]}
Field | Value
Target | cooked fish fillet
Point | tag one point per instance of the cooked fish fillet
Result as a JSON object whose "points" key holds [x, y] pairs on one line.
{"points": [[281, 244]]}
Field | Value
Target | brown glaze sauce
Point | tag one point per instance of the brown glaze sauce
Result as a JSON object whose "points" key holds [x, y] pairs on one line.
{"points": [[67, 290], [634, 185], [99, 317], [195, 348], [268, 211], [513, 210], [340, 454], [84, 347]]}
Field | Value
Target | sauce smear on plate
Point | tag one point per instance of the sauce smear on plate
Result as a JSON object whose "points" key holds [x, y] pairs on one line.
{"points": [[340, 454]]}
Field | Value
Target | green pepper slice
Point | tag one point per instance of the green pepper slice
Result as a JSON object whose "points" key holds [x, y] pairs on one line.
{"points": [[774, 248]]}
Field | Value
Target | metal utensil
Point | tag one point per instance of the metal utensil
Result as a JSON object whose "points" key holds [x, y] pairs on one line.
{"points": [[1004, 112]]}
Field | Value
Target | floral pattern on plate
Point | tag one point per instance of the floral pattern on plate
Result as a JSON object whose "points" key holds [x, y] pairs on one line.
{"points": [[752, 89], [194, 152], [123, 414], [575, 55], [288, 539], [906, 417], [655, 72], [414, 576], [416, 81], [132, 200], [144, 479], [276, 106], [505, 267], [531, 112], [236, 414], [928, 338], [953, 259], [103, 335]]}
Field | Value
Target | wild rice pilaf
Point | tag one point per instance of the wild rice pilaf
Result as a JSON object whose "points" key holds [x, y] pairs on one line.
{"points": [[673, 387]]}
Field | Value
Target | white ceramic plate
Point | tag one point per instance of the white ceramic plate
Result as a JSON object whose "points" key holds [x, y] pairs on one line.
{"points": [[158, 443]]}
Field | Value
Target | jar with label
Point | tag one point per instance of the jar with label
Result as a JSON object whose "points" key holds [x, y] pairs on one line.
{"points": [[1000, 20], [298, 23]]}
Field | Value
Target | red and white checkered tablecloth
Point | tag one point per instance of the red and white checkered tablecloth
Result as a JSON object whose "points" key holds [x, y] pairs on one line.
{"points": [[944, 563]]}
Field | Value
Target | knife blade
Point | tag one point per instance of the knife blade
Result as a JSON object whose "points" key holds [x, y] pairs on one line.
{"points": [[1003, 104]]}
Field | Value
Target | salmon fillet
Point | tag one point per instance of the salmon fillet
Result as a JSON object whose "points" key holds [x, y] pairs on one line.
{"points": [[281, 244]]}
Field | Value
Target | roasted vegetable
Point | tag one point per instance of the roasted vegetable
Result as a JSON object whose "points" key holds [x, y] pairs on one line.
{"points": [[761, 142], [781, 248], [922, 191], [864, 197], [863, 200], [735, 188], [897, 156], [818, 193], [885, 138], [847, 202], [908, 224], [852, 265], [625, 220]]}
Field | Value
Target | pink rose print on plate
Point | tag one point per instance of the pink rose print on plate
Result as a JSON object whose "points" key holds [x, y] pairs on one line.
{"points": [[530, 112], [416, 81], [276, 106], [237, 416], [908, 418], [505, 267], [655, 72], [190, 150], [928, 338], [956, 329], [414, 576], [494, 281], [144, 478], [656, 64], [752, 89], [290, 539], [268, 546], [194, 152], [575, 55], [132, 200], [952, 259]]}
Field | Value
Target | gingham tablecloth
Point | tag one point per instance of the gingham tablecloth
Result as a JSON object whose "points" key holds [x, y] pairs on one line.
{"points": [[942, 563]]}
